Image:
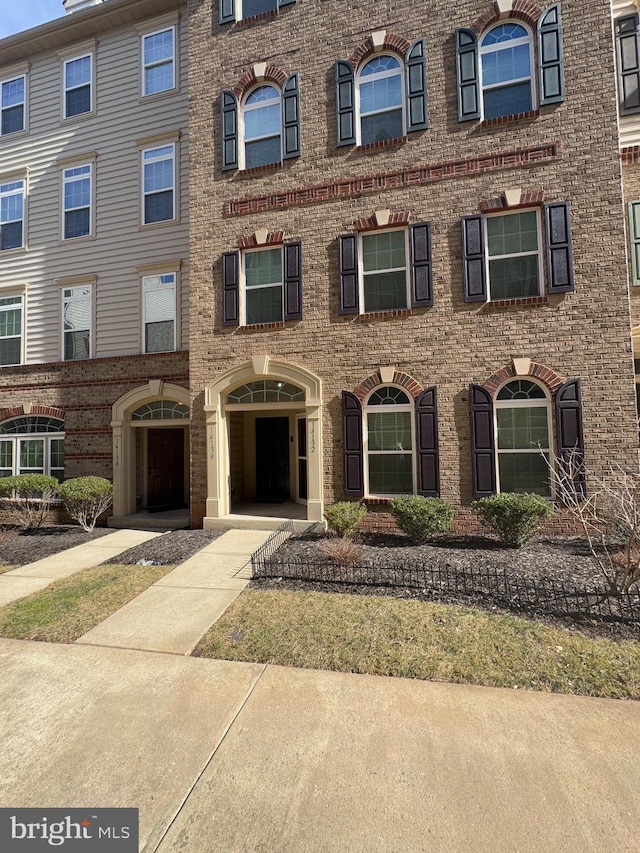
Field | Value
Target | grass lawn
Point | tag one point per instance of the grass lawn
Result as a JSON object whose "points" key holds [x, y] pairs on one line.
{"points": [[416, 639], [68, 608]]}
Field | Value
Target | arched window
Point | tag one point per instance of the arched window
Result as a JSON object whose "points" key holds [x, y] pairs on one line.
{"points": [[32, 444], [522, 412], [381, 99], [505, 67], [262, 120], [389, 442]]}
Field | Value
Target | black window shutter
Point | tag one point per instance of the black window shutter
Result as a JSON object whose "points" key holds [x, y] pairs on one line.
{"points": [[570, 438], [467, 75], [473, 260], [482, 442], [229, 131], [421, 283], [291, 117], [292, 281], [558, 233], [416, 79], [628, 44], [550, 62], [227, 11], [352, 445], [345, 103], [349, 302], [427, 441], [230, 285], [285, 3]]}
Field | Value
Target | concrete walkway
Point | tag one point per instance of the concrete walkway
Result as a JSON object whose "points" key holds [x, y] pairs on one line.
{"points": [[174, 613], [33, 577], [237, 757]]}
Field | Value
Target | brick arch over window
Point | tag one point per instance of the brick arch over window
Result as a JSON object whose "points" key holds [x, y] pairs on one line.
{"points": [[270, 74], [522, 10], [19, 411], [392, 42], [541, 372], [403, 379]]}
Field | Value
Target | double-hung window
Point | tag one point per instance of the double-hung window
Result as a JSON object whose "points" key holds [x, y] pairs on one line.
{"points": [[12, 105], [158, 61], [77, 194], [263, 290], [262, 127], [11, 324], [12, 215], [506, 70], [159, 312], [389, 448], [76, 322], [78, 75], [381, 99], [158, 181], [513, 255], [522, 412], [383, 281], [32, 445]]}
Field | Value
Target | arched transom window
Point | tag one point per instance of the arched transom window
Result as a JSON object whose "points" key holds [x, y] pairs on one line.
{"points": [[380, 96], [266, 391], [161, 410], [389, 435], [262, 117], [523, 447], [505, 65], [32, 444]]}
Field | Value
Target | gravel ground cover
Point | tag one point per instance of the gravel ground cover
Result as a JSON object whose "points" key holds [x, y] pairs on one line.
{"points": [[18, 549], [168, 550]]}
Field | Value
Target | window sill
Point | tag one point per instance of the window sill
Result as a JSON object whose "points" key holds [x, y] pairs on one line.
{"points": [[382, 315], [156, 96], [492, 122], [376, 501], [13, 251], [517, 303], [14, 134], [147, 226], [65, 241], [256, 170], [254, 19], [79, 117], [383, 143], [262, 327]]}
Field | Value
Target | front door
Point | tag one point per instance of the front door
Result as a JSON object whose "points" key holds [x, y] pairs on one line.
{"points": [[165, 467], [272, 459]]}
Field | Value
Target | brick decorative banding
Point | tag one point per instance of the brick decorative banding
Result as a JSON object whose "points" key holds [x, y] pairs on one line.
{"points": [[534, 198], [274, 238], [492, 122], [370, 223], [514, 303], [18, 412], [409, 177]]}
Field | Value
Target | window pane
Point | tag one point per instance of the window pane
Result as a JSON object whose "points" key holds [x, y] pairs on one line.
{"points": [[159, 78], [6, 458], [381, 94], [262, 121], [508, 235], [257, 7], [76, 223], [158, 207], [11, 235], [57, 453], [383, 251], [158, 175], [523, 428], [159, 337], [263, 152], [11, 207], [263, 267], [10, 351], [32, 455], [381, 126], [78, 72], [391, 475], [264, 305], [385, 291], [501, 66], [77, 193], [159, 305], [13, 92], [12, 119], [158, 47], [10, 322], [78, 101], [77, 345], [77, 315], [524, 472], [507, 101], [389, 430], [512, 278]]}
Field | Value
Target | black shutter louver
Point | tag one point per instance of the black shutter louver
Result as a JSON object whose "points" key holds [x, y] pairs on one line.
{"points": [[467, 74], [229, 131], [352, 445], [483, 467], [473, 260], [291, 117], [416, 82], [345, 106], [230, 287], [628, 56], [550, 61], [292, 280], [349, 302], [570, 439], [558, 235], [427, 443], [421, 279]]}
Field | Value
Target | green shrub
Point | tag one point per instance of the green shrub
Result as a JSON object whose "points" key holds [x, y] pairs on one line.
{"points": [[513, 517], [421, 518], [27, 498], [343, 517], [86, 498]]}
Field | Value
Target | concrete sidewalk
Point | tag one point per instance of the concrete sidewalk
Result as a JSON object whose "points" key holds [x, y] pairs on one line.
{"points": [[174, 613], [237, 757], [24, 580]]}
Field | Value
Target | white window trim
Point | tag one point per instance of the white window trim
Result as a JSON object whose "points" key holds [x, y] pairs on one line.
{"points": [[21, 295], [144, 289], [12, 79], [65, 180], [168, 143], [361, 273], [16, 440], [243, 283], [15, 180], [240, 13], [242, 159], [538, 254], [379, 76], [144, 66], [399, 407], [525, 404], [65, 89], [493, 48], [64, 300]]}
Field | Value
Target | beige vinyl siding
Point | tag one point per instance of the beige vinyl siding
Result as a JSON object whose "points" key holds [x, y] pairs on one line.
{"points": [[629, 126], [120, 246]]}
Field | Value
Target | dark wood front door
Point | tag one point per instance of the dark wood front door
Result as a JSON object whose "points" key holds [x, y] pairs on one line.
{"points": [[165, 467], [272, 459]]}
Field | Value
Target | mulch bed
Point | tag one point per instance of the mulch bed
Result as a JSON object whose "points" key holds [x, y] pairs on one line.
{"points": [[18, 548], [561, 560], [168, 550]]}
